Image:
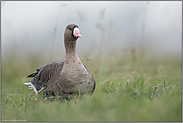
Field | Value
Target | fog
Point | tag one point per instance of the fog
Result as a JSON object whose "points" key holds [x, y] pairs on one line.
{"points": [[37, 27]]}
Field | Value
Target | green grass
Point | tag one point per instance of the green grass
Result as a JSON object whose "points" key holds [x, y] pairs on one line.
{"points": [[128, 88]]}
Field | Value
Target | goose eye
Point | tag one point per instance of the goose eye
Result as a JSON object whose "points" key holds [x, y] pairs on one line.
{"points": [[70, 29]]}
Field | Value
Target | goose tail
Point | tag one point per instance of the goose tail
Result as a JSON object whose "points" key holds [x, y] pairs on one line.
{"points": [[31, 86]]}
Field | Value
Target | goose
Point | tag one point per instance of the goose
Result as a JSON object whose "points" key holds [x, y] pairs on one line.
{"points": [[66, 78]]}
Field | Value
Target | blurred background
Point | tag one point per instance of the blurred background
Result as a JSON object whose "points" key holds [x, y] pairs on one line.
{"points": [[133, 49], [37, 28]]}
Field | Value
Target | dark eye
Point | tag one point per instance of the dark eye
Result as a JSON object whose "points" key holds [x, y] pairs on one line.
{"points": [[70, 29]]}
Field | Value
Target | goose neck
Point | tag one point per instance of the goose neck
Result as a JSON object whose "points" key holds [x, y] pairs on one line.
{"points": [[70, 48]]}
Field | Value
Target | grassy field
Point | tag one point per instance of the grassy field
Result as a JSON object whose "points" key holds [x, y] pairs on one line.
{"points": [[128, 88]]}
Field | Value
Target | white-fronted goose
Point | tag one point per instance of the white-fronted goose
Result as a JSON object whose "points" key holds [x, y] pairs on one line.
{"points": [[64, 78]]}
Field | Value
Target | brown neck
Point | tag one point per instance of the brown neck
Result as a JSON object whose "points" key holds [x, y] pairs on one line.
{"points": [[70, 48]]}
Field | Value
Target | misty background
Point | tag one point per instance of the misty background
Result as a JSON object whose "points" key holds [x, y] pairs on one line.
{"points": [[37, 28]]}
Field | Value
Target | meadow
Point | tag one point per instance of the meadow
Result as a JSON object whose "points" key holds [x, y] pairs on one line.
{"points": [[129, 87]]}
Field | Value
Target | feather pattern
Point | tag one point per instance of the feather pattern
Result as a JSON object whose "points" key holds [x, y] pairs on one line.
{"points": [[64, 78]]}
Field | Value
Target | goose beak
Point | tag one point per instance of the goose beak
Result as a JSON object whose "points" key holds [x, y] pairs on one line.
{"points": [[77, 34]]}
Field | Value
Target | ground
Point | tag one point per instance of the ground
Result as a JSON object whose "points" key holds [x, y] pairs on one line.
{"points": [[128, 88]]}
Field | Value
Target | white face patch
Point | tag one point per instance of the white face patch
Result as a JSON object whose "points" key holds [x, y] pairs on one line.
{"points": [[76, 31]]}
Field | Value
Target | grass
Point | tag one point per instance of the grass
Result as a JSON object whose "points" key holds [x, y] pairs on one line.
{"points": [[128, 88]]}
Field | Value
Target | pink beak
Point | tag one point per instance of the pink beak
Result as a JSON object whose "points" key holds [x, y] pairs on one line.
{"points": [[77, 34]]}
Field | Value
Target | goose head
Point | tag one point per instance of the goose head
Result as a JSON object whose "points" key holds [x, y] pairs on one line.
{"points": [[72, 33]]}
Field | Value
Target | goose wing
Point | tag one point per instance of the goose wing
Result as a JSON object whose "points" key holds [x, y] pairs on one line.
{"points": [[43, 75]]}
